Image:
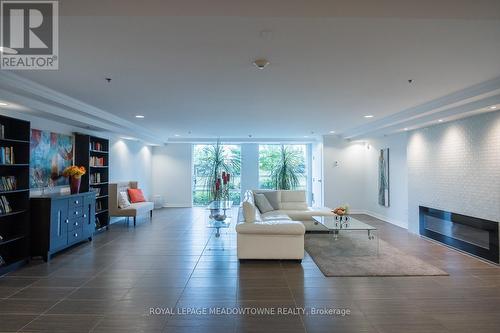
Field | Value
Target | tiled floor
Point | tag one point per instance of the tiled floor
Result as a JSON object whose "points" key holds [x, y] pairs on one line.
{"points": [[110, 285]]}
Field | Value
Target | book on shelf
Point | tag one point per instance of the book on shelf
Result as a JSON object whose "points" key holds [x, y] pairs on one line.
{"points": [[8, 183], [95, 178], [96, 146], [96, 161], [96, 190], [7, 155], [2, 131], [5, 207], [98, 206]]}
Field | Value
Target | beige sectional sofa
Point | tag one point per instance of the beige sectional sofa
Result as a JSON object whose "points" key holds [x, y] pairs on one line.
{"points": [[277, 233]]}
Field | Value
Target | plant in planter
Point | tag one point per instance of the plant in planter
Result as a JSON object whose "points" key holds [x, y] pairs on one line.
{"points": [[287, 170], [221, 164], [74, 173]]}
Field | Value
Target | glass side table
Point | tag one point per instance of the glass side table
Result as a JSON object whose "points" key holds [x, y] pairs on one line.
{"points": [[220, 215]]}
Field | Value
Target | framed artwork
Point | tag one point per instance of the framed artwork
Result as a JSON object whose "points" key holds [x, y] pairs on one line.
{"points": [[383, 178], [50, 154]]}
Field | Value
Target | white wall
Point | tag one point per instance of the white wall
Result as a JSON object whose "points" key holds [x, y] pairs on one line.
{"points": [[397, 212], [131, 160], [343, 173], [456, 167], [172, 174], [351, 176]]}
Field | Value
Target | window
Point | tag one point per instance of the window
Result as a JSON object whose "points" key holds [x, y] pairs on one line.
{"points": [[202, 162], [270, 157]]}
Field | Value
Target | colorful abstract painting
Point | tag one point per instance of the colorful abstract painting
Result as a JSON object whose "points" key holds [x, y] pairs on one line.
{"points": [[50, 153], [383, 177]]}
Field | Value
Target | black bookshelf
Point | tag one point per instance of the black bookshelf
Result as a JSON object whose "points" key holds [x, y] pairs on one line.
{"points": [[14, 193], [93, 153]]}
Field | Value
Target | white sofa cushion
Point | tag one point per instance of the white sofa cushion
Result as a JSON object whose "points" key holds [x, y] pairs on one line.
{"points": [[307, 214], [249, 212], [262, 203], [293, 195], [294, 200], [293, 205], [274, 197], [138, 208], [123, 201], [275, 227], [275, 215]]}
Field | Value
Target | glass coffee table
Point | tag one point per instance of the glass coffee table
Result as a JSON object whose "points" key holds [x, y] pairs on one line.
{"points": [[220, 215], [336, 224]]}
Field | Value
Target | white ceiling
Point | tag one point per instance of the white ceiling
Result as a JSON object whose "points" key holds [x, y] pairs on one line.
{"points": [[194, 73]]}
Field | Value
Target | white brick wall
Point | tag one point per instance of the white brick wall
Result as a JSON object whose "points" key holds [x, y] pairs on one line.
{"points": [[456, 167]]}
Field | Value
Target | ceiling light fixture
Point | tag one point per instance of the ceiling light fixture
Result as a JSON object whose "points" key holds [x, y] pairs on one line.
{"points": [[406, 128], [369, 116], [261, 63], [493, 107], [440, 120], [177, 135], [332, 132], [4, 104], [139, 116]]}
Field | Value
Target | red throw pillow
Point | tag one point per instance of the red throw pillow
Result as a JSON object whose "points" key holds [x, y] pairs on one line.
{"points": [[136, 195]]}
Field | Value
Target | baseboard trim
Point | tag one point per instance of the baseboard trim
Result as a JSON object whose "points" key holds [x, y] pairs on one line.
{"points": [[381, 217]]}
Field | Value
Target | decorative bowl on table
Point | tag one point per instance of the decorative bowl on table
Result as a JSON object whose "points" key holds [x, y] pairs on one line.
{"points": [[341, 213], [219, 217]]}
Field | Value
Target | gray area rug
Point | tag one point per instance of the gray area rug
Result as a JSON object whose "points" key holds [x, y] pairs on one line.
{"points": [[352, 254]]}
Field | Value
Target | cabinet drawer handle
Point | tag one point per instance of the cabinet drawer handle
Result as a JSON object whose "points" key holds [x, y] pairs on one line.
{"points": [[76, 213], [76, 202], [67, 221], [76, 235], [76, 223], [84, 215]]}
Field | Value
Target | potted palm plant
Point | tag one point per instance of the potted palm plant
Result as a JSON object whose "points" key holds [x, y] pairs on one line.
{"points": [[221, 164], [286, 171]]}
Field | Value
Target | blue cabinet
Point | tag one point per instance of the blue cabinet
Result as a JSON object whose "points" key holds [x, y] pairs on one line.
{"points": [[60, 221]]}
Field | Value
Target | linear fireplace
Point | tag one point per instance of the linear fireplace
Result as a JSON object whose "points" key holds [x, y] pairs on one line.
{"points": [[470, 234]]}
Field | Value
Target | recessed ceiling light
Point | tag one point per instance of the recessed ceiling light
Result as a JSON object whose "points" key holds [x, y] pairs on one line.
{"points": [[493, 107], [306, 136], [3, 104], [176, 135], [440, 120], [406, 128], [139, 116], [261, 63], [369, 116], [332, 132]]}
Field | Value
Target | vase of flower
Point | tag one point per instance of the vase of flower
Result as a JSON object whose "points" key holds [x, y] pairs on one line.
{"points": [[74, 173], [74, 184]]}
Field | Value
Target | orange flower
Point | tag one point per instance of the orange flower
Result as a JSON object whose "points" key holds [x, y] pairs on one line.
{"points": [[74, 171]]}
